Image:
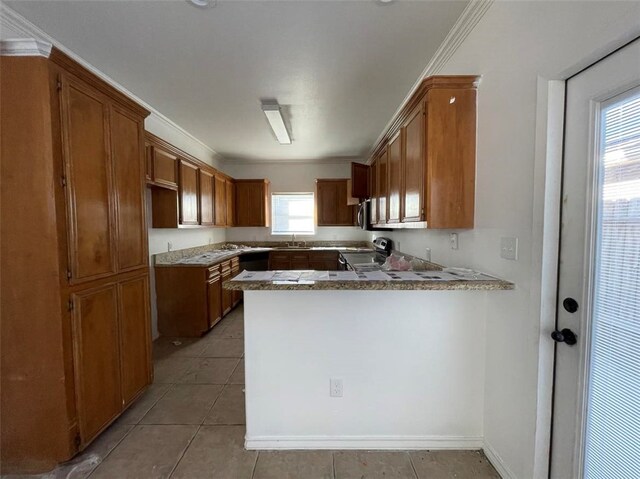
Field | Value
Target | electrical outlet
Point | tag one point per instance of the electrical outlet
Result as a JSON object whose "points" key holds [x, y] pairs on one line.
{"points": [[427, 254], [335, 388], [509, 248], [169, 246], [397, 246], [453, 240]]}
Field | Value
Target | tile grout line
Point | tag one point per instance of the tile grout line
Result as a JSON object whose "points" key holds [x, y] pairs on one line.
{"points": [[113, 448], [415, 471], [255, 464], [333, 463], [183, 453]]}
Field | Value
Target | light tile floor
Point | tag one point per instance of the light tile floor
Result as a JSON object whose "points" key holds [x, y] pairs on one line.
{"points": [[190, 424]]}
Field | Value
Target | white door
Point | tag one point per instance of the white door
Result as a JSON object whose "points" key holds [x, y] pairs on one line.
{"points": [[596, 415]]}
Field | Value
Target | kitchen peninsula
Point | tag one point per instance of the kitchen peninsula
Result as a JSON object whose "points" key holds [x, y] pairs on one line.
{"points": [[375, 360]]}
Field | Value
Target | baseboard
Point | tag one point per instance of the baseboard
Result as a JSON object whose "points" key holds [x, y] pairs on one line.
{"points": [[364, 442], [497, 462]]}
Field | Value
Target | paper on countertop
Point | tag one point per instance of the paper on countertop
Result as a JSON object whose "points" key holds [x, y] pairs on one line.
{"points": [[343, 276], [254, 276], [314, 276]]}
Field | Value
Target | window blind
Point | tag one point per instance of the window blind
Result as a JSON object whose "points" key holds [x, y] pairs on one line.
{"points": [[612, 440], [293, 213]]}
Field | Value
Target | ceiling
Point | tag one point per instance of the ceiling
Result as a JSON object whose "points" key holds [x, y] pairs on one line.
{"points": [[340, 69]]}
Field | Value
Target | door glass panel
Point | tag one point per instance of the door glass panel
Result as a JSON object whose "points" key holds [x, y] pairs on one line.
{"points": [[612, 444]]}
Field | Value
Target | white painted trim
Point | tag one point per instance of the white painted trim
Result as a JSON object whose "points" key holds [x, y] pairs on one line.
{"points": [[544, 244], [364, 442], [24, 47], [11, 19], [317, 161], [497, 462], [467, 21]]}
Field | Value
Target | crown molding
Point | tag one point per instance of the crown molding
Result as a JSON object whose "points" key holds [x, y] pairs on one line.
{"points": [[467, 21], [24, 47], [304, 161], [12, 20]]}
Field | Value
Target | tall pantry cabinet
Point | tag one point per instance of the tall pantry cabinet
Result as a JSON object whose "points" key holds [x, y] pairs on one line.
{"points": [[76, 341]]}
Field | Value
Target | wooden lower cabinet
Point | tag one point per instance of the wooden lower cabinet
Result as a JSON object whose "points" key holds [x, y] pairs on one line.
{"points": [[236, 295], [97, 365], [214, 296], [305, 259], [136, 370], [112, 350], [191, 299], [227, 295]]}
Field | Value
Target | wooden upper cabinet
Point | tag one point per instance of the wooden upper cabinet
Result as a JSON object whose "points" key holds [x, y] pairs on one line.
{"points": [[253, 198], [395, 178], [207, 198], [413, 166], [230, 203], [135, 336], [90, 204], [188, 193], [148, 162], [360, 181], [220, 203], [425, 172], [374, 192], [451, 157], [331, 203], [128, 166], [164, 168], [382, 177], [96, 358]]}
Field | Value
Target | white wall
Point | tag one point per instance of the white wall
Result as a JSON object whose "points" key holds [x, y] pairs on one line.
{"points": [[411, 362], [513, 45], [291, 177]]}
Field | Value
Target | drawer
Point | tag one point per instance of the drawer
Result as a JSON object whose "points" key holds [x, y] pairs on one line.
{"points": [[235, 262], [278, 256], [299, 256], [213, 271], [225, 265]]}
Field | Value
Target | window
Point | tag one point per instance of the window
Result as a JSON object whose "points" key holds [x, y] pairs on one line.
{"points": [[292, 213]]}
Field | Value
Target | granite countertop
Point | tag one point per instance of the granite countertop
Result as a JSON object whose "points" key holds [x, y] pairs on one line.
{"points": [[205, 256], [448, 279]]}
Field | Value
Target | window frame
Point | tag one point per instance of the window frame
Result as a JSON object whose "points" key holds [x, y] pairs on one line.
{"points": [[312, 195]]}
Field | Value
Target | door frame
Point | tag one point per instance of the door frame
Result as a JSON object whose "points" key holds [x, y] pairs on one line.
{"points": [[547, 203]]}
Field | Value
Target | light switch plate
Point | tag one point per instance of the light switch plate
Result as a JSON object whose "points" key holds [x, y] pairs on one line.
{"points": [[453, 240], [509, 248]]}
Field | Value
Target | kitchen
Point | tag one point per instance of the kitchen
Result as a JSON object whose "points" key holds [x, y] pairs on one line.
{"points": [[208, 305]]}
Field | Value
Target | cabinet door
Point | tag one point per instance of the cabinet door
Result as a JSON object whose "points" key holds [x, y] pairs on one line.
{"points": [[360, 186], [214, 300], [413, 167], [327, 202], [127, 143], [89, 182], [165, 168], [227, 295], [346, 213], [251, 198], [135, 336], [236, 296], [188, 193], [206, 198], [220, 203], [96, 359], [374, 192], [395, 177], [230, 189], [382, 188]]}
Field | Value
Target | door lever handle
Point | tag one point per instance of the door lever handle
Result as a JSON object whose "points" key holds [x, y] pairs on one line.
{"points": [[565, 336]]}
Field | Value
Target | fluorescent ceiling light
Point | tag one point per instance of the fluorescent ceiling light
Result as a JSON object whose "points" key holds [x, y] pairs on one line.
{"points": [[274, 117]]}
